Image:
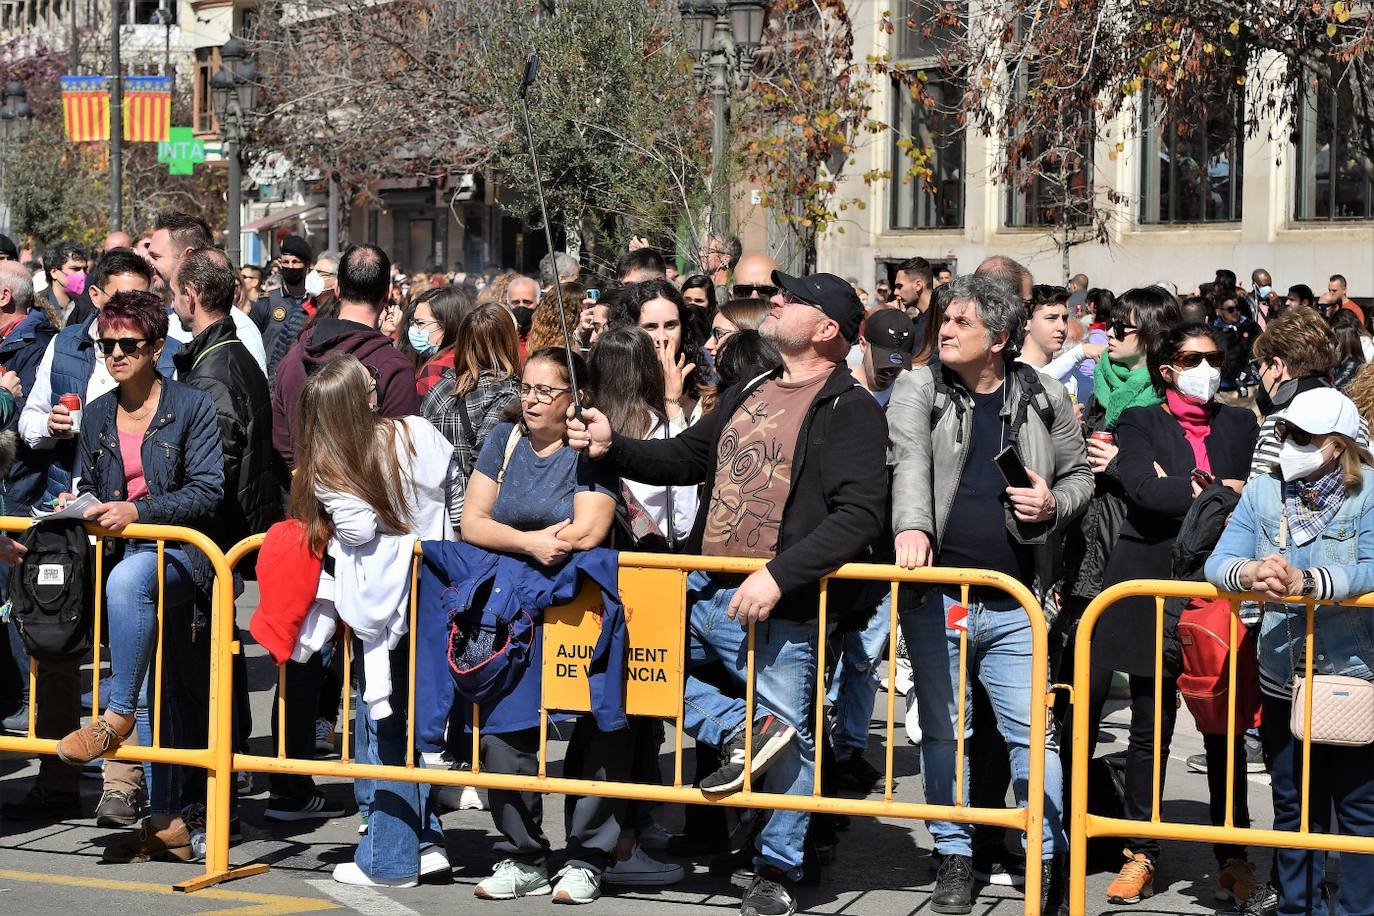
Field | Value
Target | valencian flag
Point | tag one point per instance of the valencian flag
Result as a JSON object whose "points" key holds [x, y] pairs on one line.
{"points": [[147, 109], [86, 108]]}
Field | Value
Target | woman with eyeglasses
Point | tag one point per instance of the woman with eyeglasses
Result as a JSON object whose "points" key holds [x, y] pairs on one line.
{"points": [[1169, 452], [150, 451], [532, 494], [1307, 528], [433, 332]]}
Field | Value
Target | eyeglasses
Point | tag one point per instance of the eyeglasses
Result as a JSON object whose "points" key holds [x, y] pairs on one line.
{"points": [[748, 290], [1121, 330], [127, 345], [789, 299], [423, 324], [544, 394], [1284, 430], [719, 334], [1192, 358]]}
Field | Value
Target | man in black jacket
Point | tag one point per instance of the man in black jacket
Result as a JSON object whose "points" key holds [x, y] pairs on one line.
{"points": [[793, 467], [217, 362]]}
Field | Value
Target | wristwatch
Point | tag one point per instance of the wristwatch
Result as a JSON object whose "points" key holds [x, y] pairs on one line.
{"points": [[1309, 583]]}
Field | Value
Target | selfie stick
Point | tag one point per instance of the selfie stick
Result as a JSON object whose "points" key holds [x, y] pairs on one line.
{"points": [[532, 71]]}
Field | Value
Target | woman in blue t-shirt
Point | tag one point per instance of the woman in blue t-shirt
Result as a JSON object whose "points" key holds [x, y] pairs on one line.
{"points": [[531, 494]]}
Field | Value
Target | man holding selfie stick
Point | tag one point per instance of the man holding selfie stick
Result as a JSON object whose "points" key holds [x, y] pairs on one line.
{"points": [[989, 468]]}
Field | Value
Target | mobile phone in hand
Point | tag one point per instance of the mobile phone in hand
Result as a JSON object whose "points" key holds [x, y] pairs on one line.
{"points": [[1202, 478], [1013, 471]]}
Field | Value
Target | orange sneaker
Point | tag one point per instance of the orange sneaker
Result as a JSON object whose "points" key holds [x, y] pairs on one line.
{"points": [[1236, 881], [1135, 881]]}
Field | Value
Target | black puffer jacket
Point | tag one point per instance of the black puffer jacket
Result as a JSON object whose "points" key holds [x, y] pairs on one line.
{"points": [[219, 364]]}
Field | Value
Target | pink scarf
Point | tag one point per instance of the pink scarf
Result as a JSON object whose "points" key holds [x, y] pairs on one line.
{"points": [[1196, 421]]}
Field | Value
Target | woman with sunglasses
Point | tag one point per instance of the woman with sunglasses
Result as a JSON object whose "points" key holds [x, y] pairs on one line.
{"points": [[150, 451], [1169, 452], [533, 495], [1307, 529]]}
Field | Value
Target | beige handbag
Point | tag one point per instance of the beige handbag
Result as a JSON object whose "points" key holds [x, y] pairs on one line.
{"points": [[1342, 706]]}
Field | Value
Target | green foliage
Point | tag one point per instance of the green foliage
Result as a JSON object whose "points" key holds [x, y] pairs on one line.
{"points": [[54, 190]]}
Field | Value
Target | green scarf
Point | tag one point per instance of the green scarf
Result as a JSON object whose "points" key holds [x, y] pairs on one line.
{"points": [[1117, 388]]}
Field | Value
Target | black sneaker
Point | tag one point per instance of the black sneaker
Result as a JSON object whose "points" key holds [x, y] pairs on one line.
{"points": [[771, 736], [1263, 901], [953, 892], [999, 868], [17, 722], [43, 804], [770, 894], [301, 809], [118, 808], [855, 773]]}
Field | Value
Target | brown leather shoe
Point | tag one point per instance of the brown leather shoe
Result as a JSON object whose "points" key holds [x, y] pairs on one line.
{"points": [[94, 739], [162, 836]]}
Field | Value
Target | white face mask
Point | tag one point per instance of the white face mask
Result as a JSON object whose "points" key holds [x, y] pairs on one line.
{"points": [[1198, 384], [1297, 462], [314, 283]]}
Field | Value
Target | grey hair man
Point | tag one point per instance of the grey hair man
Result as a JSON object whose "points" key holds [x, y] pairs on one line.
{"points": [[558, 266], [948, 425]]}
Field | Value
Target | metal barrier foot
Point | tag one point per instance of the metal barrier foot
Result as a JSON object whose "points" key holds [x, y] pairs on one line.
{"points": [[203, 881]]}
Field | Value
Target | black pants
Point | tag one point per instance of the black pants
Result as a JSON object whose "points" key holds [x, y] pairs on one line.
{"points": [[593, 824], [1139, 793], [303, 680]]}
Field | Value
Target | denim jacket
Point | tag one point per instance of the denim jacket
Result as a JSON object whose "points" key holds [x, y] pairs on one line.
{"points": [[1343, 638], [183, 464]]}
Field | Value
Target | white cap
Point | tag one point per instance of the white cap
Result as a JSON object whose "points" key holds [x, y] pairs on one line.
{"points": [[1323, 410]]}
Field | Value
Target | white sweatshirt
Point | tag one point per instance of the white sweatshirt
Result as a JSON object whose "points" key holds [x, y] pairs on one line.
{"points": [[370, 588], [654, 499]]}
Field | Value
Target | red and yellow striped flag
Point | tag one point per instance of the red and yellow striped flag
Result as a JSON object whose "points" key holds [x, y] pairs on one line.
{"points": [[147, 109], [86, 108]]}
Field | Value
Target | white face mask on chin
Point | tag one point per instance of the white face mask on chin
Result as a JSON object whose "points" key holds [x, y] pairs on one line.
{"points": [[1198, 384]]}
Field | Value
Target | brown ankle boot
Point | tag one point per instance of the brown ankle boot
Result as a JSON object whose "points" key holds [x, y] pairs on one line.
{"points": [[162, 836], [95, 739]]}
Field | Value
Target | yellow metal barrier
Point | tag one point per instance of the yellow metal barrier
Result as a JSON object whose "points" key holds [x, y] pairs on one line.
{"points": [[216, 759], [1085, 826], [653, 589]]}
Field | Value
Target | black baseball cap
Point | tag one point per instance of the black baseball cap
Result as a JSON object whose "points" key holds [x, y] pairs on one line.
{"points": [[830, 294], [891, 337]]}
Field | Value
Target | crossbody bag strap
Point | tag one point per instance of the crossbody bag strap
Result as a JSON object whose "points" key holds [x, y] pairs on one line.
{"points": [[511, 442]]}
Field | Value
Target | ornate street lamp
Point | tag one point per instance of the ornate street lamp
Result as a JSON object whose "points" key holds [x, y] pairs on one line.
{"points": [[234, 90], [725, 35], [16, 117]]}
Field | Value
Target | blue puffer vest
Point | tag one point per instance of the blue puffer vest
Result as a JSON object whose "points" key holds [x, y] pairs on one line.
{"points": [[73, 361]]}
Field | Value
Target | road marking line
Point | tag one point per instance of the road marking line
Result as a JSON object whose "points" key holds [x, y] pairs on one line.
{"points": [[259, 904], [364, 900]]}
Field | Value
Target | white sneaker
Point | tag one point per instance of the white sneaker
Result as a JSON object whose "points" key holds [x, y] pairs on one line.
{"points": [[437, 760], [641, 871], [434, 861], [577, 885], [469, 800], [511, 879], [350, 873], [913, 720]]}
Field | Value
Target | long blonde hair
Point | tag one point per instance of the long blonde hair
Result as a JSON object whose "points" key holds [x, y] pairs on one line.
{"points": [[344, 447]]}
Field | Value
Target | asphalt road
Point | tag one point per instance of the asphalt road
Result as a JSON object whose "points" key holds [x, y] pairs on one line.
{"points": [[880, 868]]}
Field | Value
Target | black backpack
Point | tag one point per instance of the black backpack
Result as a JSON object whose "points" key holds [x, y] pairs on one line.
{"points": [[51, 591], [1033, 397]]}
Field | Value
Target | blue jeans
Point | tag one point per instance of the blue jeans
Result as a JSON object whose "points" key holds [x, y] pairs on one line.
{"points": [[855, 682], [785, 669], [1342, 777], [999, 654], [131, 612], [402, 819]]}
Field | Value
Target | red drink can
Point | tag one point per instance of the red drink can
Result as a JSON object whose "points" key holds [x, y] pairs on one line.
{"points": [[1104, 437], [73, 404]]}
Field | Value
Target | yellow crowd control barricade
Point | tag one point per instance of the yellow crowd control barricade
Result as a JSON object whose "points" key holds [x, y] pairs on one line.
{"points": [[1085, 826], [216, 759], [653, 588]]}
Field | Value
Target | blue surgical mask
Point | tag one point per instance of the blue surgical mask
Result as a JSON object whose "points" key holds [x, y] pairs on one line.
{"points": [[1264, 291], [420, 341]]}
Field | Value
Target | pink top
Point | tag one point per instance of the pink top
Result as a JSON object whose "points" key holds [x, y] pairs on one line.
{"points": [[1196, 420], [131, 450]]}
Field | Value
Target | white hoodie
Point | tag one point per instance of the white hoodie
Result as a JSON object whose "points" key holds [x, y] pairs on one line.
{"points": [[370, 588]]}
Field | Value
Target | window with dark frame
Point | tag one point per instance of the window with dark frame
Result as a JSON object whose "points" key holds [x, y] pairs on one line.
{"points": [[1192, 167], [1333, 179]]}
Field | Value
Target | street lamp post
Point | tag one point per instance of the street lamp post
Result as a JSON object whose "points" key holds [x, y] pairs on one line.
{"points": [[727, 34], [15, 120], [235, 91]]}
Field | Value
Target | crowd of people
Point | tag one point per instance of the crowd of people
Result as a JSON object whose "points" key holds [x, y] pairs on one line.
{"points": [[1068, 437]]}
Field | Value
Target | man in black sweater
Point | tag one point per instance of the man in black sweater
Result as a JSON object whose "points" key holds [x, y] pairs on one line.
{"points": [[793, 467]]}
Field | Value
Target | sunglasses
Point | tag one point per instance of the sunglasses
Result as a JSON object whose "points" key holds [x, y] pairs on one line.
{"points": [[719, 334], [127, 345], [1188, 360], [1121, 330], [747, 290], [1283, 430]]}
